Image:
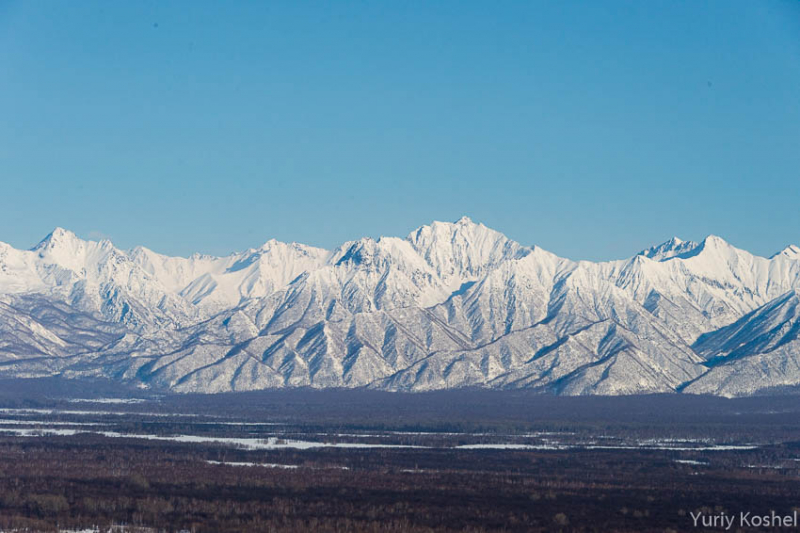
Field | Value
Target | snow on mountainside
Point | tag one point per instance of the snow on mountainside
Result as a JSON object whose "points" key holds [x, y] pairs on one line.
{"points": [[768, 327], [93, 277], [35, 327], [709, 287], [216, 283], [452, 305], [758, 352], [463, 251]]}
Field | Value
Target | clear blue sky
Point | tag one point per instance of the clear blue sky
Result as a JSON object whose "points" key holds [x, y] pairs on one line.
{"points": [[592, 129]]}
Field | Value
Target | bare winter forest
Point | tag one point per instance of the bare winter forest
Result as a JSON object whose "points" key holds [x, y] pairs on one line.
{"points": [[368, 461]]}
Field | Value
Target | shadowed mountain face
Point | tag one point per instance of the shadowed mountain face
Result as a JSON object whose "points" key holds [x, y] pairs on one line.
{"points": [[451, 305]]}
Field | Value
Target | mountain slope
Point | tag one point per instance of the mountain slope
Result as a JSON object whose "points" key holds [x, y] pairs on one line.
{"points": [[760, 351], [216, 283], [451, 305]]}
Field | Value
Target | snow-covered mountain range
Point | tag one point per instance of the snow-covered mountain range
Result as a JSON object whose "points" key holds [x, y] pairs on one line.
{"points": [[451, 305]]}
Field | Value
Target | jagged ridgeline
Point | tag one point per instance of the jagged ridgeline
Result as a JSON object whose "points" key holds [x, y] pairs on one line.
{"points": [[451, 305]]}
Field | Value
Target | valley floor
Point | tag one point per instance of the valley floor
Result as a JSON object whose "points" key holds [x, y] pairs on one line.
{"points": [[368, 461]]}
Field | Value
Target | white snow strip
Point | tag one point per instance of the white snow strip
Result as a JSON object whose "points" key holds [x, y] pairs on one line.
{"points": [[276, 465], [271, 443], [714, 448], [24, 411], [107, 400], [500, 446], [45, 423], [264, 465], [690, 462]]}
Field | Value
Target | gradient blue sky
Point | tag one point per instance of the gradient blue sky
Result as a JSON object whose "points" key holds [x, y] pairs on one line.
{"points": [[592, 129]]}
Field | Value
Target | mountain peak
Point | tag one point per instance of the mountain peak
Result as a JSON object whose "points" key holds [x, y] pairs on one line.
{"points": [[715, 240], [463, 250], [715, 248], [674, 247], [463, 224], [270, 244], [59, 236], [274, 245], [60, 233], [792, 252], [367, 251]]}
